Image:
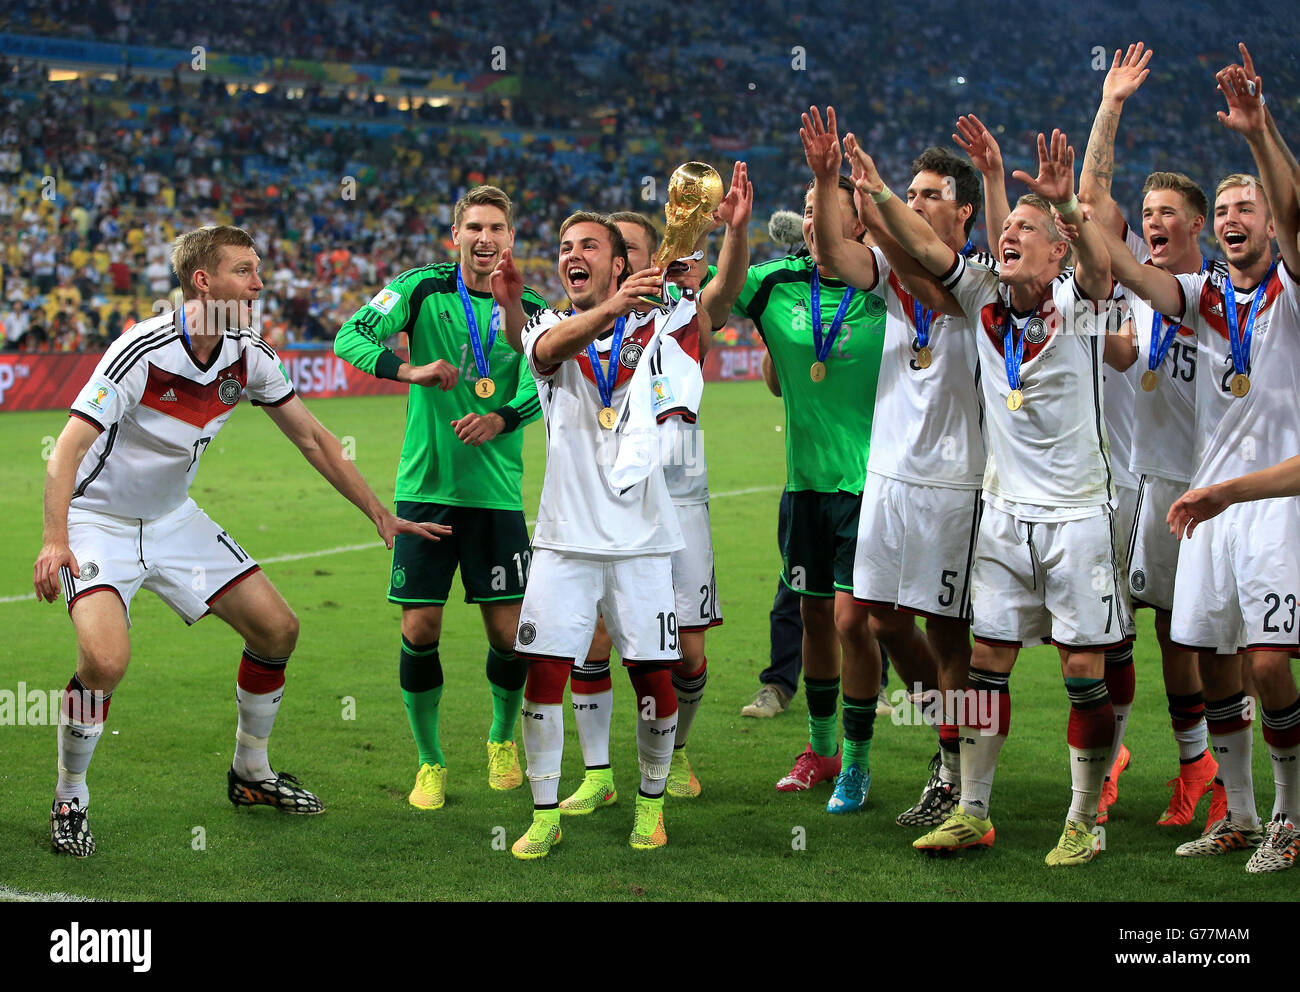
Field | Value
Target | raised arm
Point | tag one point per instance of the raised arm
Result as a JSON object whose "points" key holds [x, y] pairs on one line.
{"points": [[720, 295], [978, 142], [1292, 165], [925, 288], [1127, 71], [1055, 184], [850, 261], [1246, 115], [905, 226]]}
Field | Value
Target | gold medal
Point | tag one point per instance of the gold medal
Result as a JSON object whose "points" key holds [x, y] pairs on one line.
{"points": [[485, 387], [607, 417], [1149, 380], [924, 357], [818, 371], [1240, 385], [1015, 400]]}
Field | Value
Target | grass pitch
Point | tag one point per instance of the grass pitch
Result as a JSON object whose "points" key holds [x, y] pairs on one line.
{"points": [[165, 830]]}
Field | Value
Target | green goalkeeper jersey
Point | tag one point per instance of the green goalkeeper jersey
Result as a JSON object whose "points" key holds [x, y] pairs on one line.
{"points": [[436, 466], [827, 423]]}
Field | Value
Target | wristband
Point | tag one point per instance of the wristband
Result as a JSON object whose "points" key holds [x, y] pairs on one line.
{"points": [[387, 366], [1068, 207], [510, 416], [882, 196]]}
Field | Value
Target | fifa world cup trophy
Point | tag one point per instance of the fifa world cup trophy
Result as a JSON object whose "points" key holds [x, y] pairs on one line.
{"points": [[694, 192]]}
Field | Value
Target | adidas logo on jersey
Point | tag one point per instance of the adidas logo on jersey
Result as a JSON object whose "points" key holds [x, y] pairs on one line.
{"points": [[168, 397]]}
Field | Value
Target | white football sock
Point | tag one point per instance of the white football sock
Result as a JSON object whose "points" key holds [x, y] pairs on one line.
{"points": [[1088, 767], [256, 718], [544, 749]]}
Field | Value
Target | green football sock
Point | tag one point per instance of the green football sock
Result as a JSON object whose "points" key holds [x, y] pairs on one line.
{"points": [[822, 696], [859, 723], [506, 674], [421, 680]]}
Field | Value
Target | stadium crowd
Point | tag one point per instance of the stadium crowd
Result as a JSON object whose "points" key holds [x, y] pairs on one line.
{"points": [[609, 96]]}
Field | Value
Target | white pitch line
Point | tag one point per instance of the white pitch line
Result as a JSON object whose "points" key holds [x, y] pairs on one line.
{"points": [[31, 596], [13, 895]]}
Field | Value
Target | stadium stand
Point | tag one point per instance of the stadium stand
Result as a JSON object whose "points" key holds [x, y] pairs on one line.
{"points": [[606, 97]]}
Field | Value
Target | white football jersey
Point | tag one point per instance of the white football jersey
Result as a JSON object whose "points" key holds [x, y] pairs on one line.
{"points": [[928, 422], [687, 472], [1164, 418], [1050, 459], [579, 513], [1239, 435], [158, 409]]}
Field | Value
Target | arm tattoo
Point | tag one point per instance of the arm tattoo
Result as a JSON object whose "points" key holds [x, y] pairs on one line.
{"points": [[1101, 149]]}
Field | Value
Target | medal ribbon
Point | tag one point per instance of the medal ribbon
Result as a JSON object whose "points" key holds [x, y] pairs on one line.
{"points": [[923, 317], [606, 386], [494, 324], [822, 346], [1238, 339], [1160, 345], [1014, 356]]}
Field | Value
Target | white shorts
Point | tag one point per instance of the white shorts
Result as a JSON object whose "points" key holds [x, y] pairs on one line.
{"points": [[1152, 550], [915, 547], [1238, 579], [1036, 582], [567, 592], [183, 556], [694, 581]]}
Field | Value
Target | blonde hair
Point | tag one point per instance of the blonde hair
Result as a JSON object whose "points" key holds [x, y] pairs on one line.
{"points": [[1241, 179], [1053, 232], [201, 249]]}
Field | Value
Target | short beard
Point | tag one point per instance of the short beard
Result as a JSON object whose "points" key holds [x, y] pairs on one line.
{"points": [[1250, 260]]}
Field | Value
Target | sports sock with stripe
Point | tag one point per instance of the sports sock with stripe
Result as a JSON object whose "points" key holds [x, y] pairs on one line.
{"points": [[1090, 733], [1282, 735], [1121, 685], [592, 697], [420, 674], [258, 690], [1230, 733], [689, 690], [81, 724], [1187, 715], [822, 695], [859, 724], [656, 725], [543, 734], [984, 727], [506, 674]]}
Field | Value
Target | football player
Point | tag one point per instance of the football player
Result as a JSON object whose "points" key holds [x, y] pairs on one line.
{"points": [[118, 516]]}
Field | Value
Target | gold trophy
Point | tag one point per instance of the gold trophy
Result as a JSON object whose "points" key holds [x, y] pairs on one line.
{"points": [[694, 192]]}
